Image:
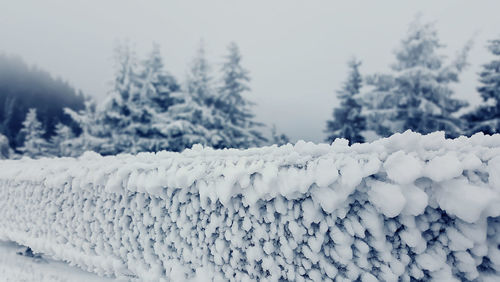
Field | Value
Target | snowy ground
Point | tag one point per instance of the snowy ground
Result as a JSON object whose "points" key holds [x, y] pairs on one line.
{"points": [[17, 268]]}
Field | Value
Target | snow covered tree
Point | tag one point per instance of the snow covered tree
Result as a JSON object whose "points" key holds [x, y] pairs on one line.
{"points": [[129, 108], [240, 130], [199, 81], [32, 132], [116, 108], [347, 120], [486, 118], [61, 142], [95, 135], [196, 118], [151, 99], [155, 84], [189, 123], [418, 94], [144, 112], [377, 105]]}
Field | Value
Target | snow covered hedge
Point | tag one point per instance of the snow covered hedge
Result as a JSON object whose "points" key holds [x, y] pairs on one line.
{"points": [[408, 206]]}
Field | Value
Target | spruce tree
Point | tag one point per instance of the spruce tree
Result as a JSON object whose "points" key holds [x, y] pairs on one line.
{"points": [[347, 120], [34, 145], [95, 134], [151, 100], [418, 94], [155, 83], [117, 112], [180, 122], [199, 82], [486, 118], [145, 109], [197, 114], [239, 128]]}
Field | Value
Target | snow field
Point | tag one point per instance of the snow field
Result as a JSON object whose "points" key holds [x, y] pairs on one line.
{"points": [[407, 206], [16, 268]]}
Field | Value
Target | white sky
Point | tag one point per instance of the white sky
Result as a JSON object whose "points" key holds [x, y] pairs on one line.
{"points": [[296, 50]]}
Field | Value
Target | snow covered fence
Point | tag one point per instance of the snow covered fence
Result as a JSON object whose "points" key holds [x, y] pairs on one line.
{"points": [[406, 206]]}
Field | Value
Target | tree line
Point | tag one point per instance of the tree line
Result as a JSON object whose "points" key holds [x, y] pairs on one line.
{"points": [[148, 110]]}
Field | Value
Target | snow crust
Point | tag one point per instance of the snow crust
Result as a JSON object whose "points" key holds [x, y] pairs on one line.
{"points": [[404, 207]]}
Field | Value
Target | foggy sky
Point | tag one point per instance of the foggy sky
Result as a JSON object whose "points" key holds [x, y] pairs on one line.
{"points": [[296, 50]]}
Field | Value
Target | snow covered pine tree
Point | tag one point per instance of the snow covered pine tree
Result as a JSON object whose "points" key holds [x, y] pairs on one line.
{"points": [[347, 120], [116, 112], [486, 118], [417, 95], [148, 111], [240, 130], [152, 96], [193, 116], [135, 113], [32, 132], [94, 136]]}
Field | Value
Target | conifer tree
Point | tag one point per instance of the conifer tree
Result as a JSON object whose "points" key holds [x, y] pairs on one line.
{"points": [[95, 134], [486, 118], [240, 129], [117, 112], [145, 109], [418, 94], [155, 83], [198, 113], [34, 145], [199, 82], [150, 103], [347, 120]]}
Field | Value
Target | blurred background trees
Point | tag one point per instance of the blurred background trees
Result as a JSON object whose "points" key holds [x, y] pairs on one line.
{"points": [[416, 94], [486, 118], [148, 109]]}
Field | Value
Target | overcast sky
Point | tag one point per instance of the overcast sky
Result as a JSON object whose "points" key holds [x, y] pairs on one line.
{"points": [[296, 50]]}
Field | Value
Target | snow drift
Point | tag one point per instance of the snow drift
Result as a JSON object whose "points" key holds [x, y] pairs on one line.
{"points": [[408, 206]]}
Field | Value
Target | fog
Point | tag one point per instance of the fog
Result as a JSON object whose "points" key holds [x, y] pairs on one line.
{"points": [[296, 50]]}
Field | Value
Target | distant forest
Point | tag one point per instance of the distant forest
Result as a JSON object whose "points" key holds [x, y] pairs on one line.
{"points": [[23, 87]]}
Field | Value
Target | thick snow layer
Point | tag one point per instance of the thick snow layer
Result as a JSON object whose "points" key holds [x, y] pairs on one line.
{"points": [[408, 206]]}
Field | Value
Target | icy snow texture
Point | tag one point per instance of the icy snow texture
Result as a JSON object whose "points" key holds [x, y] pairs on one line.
{"points": [[408, 206]]}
